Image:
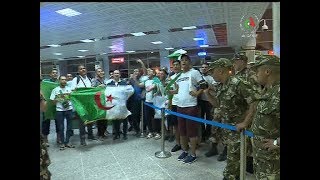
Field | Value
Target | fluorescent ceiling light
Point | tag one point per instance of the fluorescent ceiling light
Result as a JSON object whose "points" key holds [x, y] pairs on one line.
{"points": [[54, 45], [130, 51], [138, 34], [169, 48], [68, 12], [204, 45], [111, 47], [198, 39], [157, 42], [80, 56], [103, 53], [189, 27], [58, 54], [87, 40], [83, 50]]}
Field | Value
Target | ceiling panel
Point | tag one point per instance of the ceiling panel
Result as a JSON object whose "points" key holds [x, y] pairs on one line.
{"points": [[103, 19]]}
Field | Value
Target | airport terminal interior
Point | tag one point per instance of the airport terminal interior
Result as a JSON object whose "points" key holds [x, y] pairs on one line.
{"points": [[126, 36]]}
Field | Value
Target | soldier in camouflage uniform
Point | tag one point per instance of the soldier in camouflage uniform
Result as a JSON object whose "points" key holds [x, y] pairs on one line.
{"points": [[244, 73], [233, 96], [266, 121]]}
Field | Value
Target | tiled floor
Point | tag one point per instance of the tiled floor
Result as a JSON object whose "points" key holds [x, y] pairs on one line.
{"points": [[133, 159]]}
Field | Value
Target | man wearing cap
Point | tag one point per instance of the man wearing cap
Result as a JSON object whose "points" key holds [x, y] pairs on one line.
{"points": [[233, 98], [187, 104], [266, 120]]}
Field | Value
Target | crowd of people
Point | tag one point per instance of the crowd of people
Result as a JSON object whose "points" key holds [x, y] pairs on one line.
{"points": [[230, 91]]}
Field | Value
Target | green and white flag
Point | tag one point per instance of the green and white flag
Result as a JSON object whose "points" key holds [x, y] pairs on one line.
{"points": [[46, 88], [89, 103]]}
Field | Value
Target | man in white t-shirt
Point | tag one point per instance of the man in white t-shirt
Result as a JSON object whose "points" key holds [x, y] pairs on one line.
{"points": [[80, 81], [149, 112], [187, 94], [61, 97]]}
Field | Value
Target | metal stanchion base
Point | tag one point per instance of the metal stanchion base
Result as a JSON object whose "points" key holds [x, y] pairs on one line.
{"points": [[142, 135], [162, 154]]}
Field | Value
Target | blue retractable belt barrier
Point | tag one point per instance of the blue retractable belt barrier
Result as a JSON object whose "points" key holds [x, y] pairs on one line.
{"points": [[213, 123]]}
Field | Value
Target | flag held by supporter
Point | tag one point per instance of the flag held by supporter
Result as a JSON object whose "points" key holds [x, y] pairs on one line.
{"points": [[46, 88], [116, 97]]}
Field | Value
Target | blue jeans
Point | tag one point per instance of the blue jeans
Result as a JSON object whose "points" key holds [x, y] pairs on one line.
{"points": [[60, 116]]}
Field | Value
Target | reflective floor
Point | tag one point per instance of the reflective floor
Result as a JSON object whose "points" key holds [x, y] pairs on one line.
{"points": [[131, 159]]}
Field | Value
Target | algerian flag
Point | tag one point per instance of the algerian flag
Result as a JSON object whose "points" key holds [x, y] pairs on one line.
{"points": [[89, 103], [94, 104], [116, 97], [46, 88], [177, 54]]}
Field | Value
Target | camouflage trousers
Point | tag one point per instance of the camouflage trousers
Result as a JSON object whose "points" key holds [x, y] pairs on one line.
{"points": [[232, 169], [266, 164]]}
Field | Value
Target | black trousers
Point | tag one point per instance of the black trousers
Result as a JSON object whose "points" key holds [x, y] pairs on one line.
{"points": [[136, 114], [116, 126], [206, 109], [102, 127]]}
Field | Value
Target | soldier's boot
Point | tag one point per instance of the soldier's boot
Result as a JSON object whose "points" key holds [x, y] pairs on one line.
{"points": [[45, 139], [223, 155], [213, 151], [249, 167]]}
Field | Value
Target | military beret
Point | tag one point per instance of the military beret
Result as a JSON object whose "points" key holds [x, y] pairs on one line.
{"points": [[271, 60], [222, 62]]}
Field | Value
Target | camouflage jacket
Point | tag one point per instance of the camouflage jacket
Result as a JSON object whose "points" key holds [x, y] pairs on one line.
{"points": [[44, 160], [266, 121], [234, 97]]}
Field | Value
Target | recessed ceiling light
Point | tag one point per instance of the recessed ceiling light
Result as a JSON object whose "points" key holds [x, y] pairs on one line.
{"points": [[58, 54], [68, 12], [130, 51], [198, 39], [83, 50], [157, 42], [80, 56], [169, 48], [138, 34], [87, 40], [204, 45], [189, 27], [54, 45]]}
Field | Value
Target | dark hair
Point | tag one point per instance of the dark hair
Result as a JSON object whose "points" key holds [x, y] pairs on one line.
{"points": [[205, 63], [185, 55]]}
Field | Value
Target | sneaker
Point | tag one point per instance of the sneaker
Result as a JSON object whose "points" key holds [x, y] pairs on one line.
{"points": [[150, 135], [190, 159], [69, 145], [176, 148], [157, 136], [182, 156], [62, 147], [101, 138]]}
